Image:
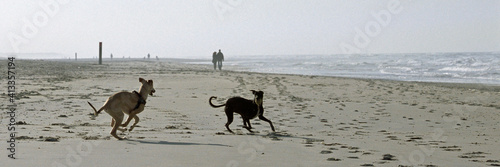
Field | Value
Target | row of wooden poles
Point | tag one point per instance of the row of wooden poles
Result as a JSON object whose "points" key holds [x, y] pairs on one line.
{"points": [[100, 53]]}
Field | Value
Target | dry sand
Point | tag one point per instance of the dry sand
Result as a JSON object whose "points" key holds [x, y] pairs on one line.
{"points": [[320, 121]]}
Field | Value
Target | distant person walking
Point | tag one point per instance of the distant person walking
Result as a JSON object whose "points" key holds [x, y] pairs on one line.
{"points": [[220, 59], [214, 60]]}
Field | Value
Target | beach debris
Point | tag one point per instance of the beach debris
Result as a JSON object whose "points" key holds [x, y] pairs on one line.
{"points": [[21, 123], [326, 152], [85, 124], [392, 137], [478, 154], [311, 141], [49, 139], [333, 159], [388, 157], [90, 137], [330, 144], [451, 148], [494, 162], [25, 94], [23, 137], [276, 139], [171, 127]]}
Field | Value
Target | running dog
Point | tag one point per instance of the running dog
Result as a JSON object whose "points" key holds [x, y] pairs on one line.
{"points": [[248, 109], [130, 103]]}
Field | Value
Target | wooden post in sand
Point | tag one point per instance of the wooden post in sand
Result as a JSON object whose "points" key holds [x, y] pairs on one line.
{"points": [[75, 56], [100, 53]]}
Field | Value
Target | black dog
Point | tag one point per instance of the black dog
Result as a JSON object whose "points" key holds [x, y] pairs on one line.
{"points": [[248, 109]]}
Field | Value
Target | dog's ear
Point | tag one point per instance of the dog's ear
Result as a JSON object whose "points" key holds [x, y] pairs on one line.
{"points": [[141, 79], [150, 81]]}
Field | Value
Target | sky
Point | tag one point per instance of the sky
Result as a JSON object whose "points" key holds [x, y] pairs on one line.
{"points": [[197, 28]]}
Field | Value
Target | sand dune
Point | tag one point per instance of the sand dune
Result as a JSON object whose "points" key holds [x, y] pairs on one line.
{"points": [[320, 121]]}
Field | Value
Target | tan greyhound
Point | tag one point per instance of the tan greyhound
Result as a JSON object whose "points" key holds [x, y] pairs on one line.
{"points": [[130, 103]]}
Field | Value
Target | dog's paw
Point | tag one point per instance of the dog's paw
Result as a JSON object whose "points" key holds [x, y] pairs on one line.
{"points": [[92, 116]]}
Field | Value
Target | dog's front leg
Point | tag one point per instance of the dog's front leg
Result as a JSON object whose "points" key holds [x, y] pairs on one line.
{"points": [[131, 115], [128, 120], [136, 120], [267, 120]]}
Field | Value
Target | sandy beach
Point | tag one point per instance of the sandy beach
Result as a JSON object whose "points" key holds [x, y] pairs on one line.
{"points": [[319, 121]]}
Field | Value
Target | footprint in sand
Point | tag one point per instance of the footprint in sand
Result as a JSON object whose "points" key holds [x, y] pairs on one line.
{"points": [[333, 159], [388, 157], [451, 148], [494, 162], [478, 154], [326, 152]]}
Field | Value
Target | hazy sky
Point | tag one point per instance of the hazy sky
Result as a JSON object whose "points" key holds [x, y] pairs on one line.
{"points": [[196, 28]]}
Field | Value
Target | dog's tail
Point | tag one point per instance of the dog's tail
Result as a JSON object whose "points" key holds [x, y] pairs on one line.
{"points": [[96, 112], [214, 106]]}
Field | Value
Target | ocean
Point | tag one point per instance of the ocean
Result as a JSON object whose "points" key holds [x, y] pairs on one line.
{"points": [[483, 68]]}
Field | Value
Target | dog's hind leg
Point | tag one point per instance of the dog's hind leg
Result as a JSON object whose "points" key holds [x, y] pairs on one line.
{"points": [[118, 120], [248, 127], [267, 120], [113, 124], [244, 123], [229, 121]]}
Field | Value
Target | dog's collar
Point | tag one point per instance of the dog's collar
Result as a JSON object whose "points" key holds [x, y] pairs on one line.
{"points": [[140, 101]]}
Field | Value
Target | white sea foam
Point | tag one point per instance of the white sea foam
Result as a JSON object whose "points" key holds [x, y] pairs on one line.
{"points": [[430, 67]]}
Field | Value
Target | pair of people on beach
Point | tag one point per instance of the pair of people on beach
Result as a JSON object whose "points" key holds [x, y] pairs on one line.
{"points": [[217, 58]]}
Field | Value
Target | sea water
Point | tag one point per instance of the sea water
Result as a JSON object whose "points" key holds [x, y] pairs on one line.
{"points": [[425, 67]]}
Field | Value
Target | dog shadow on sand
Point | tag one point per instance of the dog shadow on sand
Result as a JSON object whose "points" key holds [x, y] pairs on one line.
{"points": [[134, 142]]}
